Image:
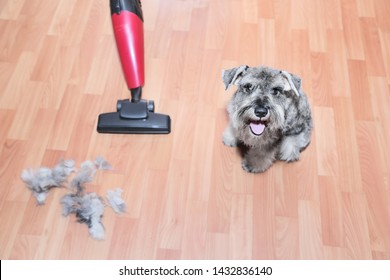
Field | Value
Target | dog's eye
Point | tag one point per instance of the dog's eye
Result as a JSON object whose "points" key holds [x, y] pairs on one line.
{"points": [[276, 91], [248, 87]]}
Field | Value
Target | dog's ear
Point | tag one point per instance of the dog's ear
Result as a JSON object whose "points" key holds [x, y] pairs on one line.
{"points": [[292, 82], [233, 76]]}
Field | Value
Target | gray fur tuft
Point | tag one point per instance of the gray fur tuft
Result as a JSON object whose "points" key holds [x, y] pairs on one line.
{"points": [[43, 179], [115, 200]]}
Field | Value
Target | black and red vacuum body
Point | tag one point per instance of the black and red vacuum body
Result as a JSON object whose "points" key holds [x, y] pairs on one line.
{"points": [[135, 115]]}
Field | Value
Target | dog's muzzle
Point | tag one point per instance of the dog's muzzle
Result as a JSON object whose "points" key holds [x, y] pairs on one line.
{"points": [[257, 127]]}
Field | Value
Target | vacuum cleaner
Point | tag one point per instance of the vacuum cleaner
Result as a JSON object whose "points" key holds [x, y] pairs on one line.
{"points": [[135, 115]]}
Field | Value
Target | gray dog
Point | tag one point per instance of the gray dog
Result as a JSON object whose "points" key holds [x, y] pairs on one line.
{"points": [[270, 117]]}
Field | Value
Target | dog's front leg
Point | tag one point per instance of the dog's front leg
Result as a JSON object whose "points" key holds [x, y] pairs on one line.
{"points": [[228, 138], [256, 161]]}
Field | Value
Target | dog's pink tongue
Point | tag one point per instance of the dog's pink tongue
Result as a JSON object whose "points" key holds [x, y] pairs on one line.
{"points": [[257, 128]]}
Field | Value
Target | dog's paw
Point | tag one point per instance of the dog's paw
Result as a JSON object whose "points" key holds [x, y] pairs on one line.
{"points": [[291, 147], [252, 169], [229, 142], [289, 154], [289, 157], [247, 167], [228, 138], [258, 167]]}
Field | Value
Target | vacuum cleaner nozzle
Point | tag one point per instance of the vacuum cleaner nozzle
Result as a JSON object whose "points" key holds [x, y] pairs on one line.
{"points": [[134, 118]]}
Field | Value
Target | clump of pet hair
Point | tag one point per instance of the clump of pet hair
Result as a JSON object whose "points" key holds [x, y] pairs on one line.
{"points": [[102, 164], [115, 200], [87, 172], [84, 175], [89, 209], [43, 179], [70, 204], [91, 212]]}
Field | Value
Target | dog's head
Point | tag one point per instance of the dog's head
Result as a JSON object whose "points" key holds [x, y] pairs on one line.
{"points": [[264, 98]]}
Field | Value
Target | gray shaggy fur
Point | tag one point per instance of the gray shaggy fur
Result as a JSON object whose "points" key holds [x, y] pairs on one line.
{"points": [[43, 179], [88, 208], [115, 200], [270, 117]]}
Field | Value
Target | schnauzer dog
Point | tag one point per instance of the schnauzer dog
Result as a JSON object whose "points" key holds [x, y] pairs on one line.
{"points": [[270, 117]]}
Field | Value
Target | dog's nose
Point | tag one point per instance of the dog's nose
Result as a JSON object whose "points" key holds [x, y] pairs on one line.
{"points": [[261, 112]]}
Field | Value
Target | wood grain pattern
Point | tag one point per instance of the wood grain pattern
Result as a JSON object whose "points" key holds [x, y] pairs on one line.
{"points": [[186, 193]]}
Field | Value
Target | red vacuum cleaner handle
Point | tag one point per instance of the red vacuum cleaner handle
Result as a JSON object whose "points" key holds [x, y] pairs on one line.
{"points": [[127, 21]]}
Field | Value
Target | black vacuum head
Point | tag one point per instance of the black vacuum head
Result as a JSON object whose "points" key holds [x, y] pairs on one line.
{"points": [[134, 118]]}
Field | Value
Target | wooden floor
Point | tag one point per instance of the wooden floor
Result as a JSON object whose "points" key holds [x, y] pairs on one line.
{"points": [[187, 196]]}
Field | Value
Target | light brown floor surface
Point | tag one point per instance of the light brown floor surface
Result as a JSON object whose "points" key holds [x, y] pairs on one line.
{"points": [[187, 196]]}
